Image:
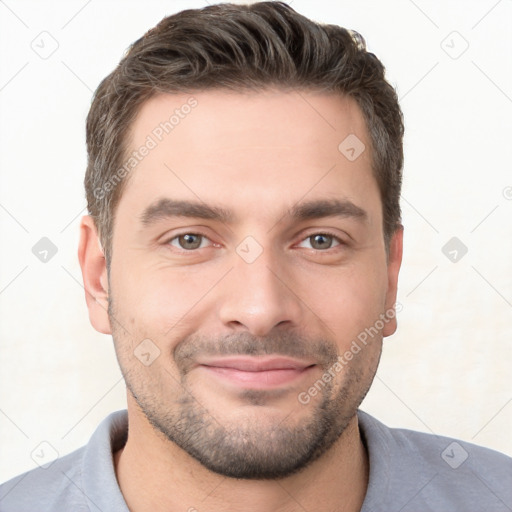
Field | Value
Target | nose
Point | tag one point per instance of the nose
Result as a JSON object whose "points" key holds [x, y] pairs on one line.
{"points": [[259, 296]]}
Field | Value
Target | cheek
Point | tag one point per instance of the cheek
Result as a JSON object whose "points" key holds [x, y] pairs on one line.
{"points": [[161, 303], [349, 300]]}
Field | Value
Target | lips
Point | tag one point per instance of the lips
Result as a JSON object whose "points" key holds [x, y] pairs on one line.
{"points": [[257, 364], [257, 372]]}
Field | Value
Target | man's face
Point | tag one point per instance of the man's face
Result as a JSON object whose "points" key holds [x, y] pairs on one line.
{"points": [[241, 317]]}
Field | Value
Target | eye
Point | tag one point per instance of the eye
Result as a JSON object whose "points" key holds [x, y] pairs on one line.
{"points": [[193, 241], [322, 241], [188, 241]]}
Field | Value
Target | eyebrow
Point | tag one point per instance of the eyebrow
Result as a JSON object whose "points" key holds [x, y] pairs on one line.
{"points": [[166, 208], [328, 208]]}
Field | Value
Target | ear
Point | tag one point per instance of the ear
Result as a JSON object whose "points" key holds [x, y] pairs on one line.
{"points": [[394, 262], [94, 275]]}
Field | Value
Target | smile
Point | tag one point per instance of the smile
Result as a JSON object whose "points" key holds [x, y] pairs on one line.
{"points": [[258, 373]]}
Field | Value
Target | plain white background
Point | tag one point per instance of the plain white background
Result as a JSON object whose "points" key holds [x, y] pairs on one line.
{"points": [[446, 370]]}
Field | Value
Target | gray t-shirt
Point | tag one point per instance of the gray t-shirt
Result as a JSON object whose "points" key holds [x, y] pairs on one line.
{"points": [[409, 472]]}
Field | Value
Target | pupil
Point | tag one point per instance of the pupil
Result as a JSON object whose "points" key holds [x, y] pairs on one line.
{"points": [[318, 240], [189, 242]]}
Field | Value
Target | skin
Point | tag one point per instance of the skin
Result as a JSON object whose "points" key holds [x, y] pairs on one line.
{"points": [[257, 155]]}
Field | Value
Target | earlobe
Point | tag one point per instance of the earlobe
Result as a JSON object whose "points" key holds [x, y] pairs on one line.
{"points": [[94, 275], [394, 263]]}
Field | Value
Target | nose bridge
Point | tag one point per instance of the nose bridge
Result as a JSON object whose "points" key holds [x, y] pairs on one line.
{"points": [[258, 296]]}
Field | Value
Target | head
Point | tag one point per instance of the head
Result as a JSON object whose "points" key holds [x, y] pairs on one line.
{"points": [[243, 189]]}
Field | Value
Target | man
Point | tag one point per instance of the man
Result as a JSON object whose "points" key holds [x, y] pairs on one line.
{"points": [[243, 249]]}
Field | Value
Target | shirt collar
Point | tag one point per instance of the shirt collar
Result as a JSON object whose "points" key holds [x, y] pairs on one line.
{"points": [[100, 485]]}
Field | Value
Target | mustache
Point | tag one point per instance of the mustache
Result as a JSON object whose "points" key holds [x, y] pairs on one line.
{"points": [[288, 344]]}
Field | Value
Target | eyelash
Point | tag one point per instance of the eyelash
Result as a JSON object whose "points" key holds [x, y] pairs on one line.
{"points": [[326, 233]]}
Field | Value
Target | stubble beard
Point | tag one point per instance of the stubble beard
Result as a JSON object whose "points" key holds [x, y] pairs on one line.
{"points": [[253, 450]]}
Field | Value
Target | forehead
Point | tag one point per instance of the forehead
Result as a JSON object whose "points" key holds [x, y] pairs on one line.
{"points": [[270, 117], [252, 150]]}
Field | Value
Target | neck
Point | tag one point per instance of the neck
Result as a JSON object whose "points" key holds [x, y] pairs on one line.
{"points": [[155, 474]]}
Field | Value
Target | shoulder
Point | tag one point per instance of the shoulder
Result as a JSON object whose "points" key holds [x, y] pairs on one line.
{"points": [[423, 471], [81, 481], [46, 488]]}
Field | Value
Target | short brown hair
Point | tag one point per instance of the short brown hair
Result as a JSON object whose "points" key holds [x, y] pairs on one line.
{"points": [[256, 46]]}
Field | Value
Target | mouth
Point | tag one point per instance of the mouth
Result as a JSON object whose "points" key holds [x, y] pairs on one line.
{"points": [[258, 372]]}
